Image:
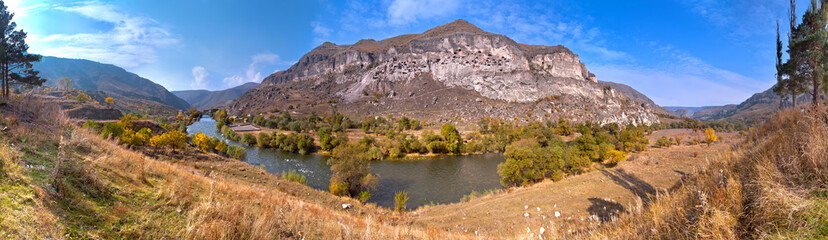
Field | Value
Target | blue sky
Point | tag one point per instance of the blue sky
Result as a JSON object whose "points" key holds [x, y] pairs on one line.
{"points": [[677, 52]]}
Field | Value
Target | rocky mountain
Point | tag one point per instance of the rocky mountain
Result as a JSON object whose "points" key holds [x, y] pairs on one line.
{"points": [[107, 78], [454, 72], [204, 99], [635, 95], [757, 107]]}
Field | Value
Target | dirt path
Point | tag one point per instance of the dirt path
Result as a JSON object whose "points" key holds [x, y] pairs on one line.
{"points": [[579, 200]]}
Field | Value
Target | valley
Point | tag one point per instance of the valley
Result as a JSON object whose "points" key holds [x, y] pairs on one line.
{"points": [[277, 120]]}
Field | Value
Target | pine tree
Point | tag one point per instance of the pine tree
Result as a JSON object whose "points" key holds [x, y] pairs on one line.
{"points": [[807, 50], [15, 61]]}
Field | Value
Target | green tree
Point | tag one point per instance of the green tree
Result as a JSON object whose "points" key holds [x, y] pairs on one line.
{"points": [[349, 164], [453, 140], [15, 61], [527, 162], [806, 50]]}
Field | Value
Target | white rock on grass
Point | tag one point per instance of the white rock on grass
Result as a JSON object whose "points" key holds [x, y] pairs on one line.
{"points": [[526, 214], [557, 214]]}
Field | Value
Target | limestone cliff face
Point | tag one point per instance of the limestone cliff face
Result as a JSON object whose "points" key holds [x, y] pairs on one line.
{"points": [[455, 55]]}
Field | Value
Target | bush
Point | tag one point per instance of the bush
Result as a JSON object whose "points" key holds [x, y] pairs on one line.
{"points": [[294, 176], [203, 142], [339, 188], [527, 162], [221, 147], [172, 139], [664, 142], [263, 139], [249, 139], [112, 130], [364, 196], [399, 201], [132, 138], [89, 124], [710, 136], [236, 152], [349, 164], [615, 156], [437, 147]]}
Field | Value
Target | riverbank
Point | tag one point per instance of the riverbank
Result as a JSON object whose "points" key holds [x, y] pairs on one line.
{"points": [[440, 179], [579, 201]]}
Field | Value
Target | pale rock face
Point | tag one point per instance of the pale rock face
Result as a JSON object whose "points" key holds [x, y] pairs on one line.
{"points": [[493, 65]]}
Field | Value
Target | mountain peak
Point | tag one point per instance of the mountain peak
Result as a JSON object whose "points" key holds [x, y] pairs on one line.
{"points": [[456, 26]]}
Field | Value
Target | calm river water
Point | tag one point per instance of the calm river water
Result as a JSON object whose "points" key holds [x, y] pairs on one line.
{"points": [[442, 179]]}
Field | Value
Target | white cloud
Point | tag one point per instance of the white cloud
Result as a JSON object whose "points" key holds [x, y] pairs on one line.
{"points": [[131, 42], [251, 74], [199, 78], [683, 80], [525, 25], [408, 11], [321, 34], [20, 10]]}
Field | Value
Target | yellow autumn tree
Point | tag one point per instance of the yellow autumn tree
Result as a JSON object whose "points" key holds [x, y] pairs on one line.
{"points": [[710, 136], [109, 100]]}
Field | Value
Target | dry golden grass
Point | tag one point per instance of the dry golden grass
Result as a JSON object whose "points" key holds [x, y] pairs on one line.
{"points": [[95, 188], [773, 186]]}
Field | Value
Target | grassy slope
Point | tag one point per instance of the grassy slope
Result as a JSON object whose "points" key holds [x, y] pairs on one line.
{"points": [[578, 197], [93, 188], [772, 187]]}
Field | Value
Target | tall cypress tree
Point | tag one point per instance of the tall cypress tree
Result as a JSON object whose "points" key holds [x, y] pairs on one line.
{"points": [[779, 88], [15, 61]]}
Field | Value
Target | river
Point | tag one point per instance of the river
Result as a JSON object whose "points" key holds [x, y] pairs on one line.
{"points": [[443, 179]]}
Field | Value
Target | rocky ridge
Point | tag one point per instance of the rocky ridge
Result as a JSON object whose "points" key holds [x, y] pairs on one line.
{"points": [[452, 72]]}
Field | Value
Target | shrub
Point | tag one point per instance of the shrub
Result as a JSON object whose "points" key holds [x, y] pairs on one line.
{"points": [[249, 139], [89, 124], [294, 176], [203, 142], [132, 138], [663, 142], [263, 139], [364, 196], [112, 130], [399, 201], [710, 136], [221, 147], [615, 156], [349, 164], [527, 162], [339, 188], [678, 140], [171, 139], [236, 152], [436, 147]]}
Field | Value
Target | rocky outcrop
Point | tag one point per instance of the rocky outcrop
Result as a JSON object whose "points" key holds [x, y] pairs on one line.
{"points": [[456, 55]]}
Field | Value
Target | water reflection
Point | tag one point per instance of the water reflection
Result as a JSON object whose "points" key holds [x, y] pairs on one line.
{"points": [[439, 180]]}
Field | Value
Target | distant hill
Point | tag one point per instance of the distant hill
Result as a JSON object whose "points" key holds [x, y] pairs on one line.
{"points": [[107, 78], [204, 99], [635, 95], [685, 111], [757, 107]]}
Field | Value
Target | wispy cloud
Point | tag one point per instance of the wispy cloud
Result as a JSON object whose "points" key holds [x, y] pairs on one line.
{"points": [[681, 80], [408, 11], [132, 41], [251, 74], [199, 78], [320, 33]]}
